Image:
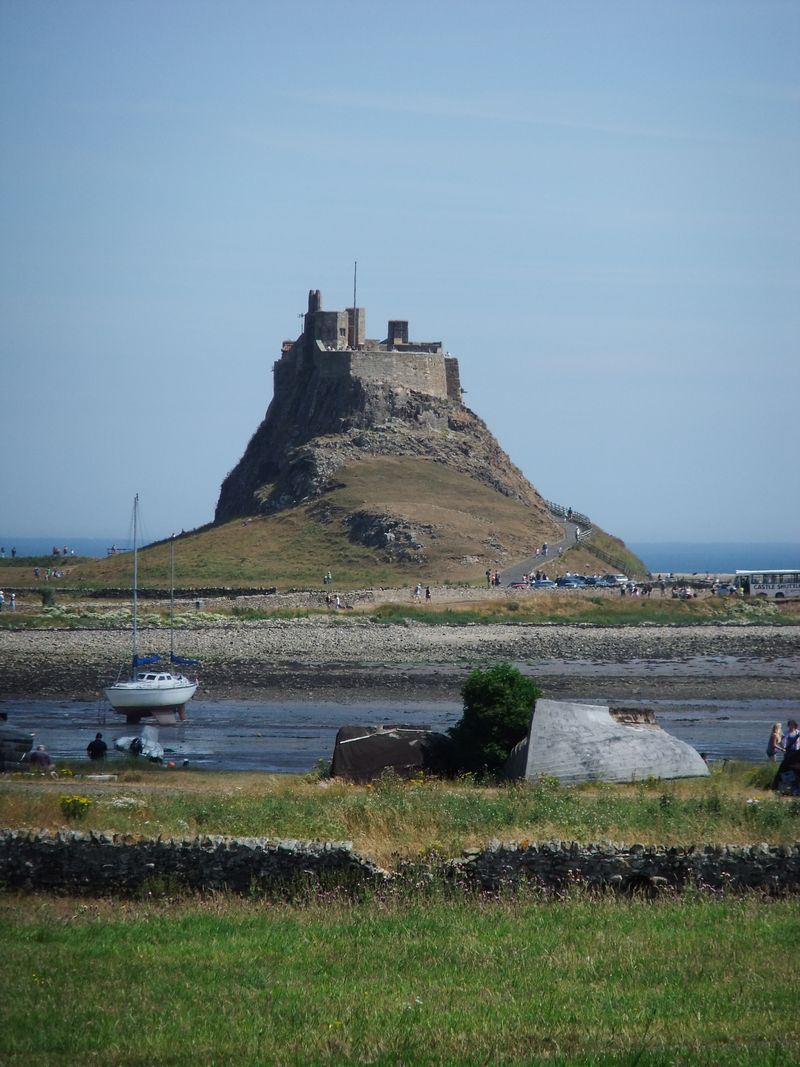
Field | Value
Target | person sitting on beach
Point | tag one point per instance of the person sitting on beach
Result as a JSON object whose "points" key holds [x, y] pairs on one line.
{"points": [[775, 743], [40, 758]]}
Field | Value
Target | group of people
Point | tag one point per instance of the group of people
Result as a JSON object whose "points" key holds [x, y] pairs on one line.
{"points": [[785, 746], [42, 760], [492, 578], [49, 572], [3, 553], [534, 576], [12, 601], [418, 591]]}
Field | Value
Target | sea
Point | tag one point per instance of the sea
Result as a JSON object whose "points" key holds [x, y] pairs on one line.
{"points": [[290, 738], [661, 557], [716, 557], [43, 546]]}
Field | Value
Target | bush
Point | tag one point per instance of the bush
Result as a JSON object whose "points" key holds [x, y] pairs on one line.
{"points": [[497, 713]]}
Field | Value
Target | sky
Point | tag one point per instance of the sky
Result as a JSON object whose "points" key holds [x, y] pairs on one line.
{"points": [[594, 205]]}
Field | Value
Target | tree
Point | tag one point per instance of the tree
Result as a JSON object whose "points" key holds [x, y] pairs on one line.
{"points": [[498, 704]]}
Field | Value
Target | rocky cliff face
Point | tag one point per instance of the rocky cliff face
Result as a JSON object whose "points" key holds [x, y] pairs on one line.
{"points": [[315, 427]]}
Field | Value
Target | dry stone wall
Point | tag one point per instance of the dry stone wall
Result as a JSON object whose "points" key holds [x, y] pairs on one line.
{"points": [[103, 863]]}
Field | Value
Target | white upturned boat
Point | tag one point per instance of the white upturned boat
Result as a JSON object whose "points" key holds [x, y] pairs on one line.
{"points": [[150, 692]]}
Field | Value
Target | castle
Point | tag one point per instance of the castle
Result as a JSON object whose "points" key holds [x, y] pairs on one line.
{"points": [[333, 346], [339, 397]]}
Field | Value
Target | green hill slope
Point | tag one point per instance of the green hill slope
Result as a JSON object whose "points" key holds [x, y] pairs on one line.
{"points": [[389, 521]]}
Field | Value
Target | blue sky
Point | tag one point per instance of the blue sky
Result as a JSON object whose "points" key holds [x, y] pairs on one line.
{"points": [[593, 205]]}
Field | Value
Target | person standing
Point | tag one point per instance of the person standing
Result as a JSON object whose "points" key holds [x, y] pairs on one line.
{"points": [[97, 749], [791, 742], [775, 743]]}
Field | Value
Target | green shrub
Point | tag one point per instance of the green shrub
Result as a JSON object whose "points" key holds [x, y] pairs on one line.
{"points": [[497, 713]]}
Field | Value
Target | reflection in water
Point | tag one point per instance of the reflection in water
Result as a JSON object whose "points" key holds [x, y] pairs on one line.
{"points": [[290, 738]]}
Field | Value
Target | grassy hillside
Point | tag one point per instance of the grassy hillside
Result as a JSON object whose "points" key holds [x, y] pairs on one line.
{"points": [[463, 527], [472, 527]]}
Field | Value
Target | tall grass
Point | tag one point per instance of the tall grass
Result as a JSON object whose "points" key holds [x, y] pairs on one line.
{"points": [[394, 819]]}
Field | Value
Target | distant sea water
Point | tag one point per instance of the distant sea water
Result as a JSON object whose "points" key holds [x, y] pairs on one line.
{"points": [[679, 557], [716, 557], [43, 546]]}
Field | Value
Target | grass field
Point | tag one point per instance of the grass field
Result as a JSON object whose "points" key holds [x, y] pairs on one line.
{"points": [[221, 981], [424, 972]]}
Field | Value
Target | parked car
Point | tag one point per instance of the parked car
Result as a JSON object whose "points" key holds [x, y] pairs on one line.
{"points": [[617, 579], [570, 581], [518, 585], [724, 589], [544, 583]]}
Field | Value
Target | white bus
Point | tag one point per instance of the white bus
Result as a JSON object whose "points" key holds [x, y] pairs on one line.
{"points": [[780, 583]]}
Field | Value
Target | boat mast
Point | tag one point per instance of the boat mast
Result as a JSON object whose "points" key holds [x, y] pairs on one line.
{"points": [[135, 581], [172, 598]]}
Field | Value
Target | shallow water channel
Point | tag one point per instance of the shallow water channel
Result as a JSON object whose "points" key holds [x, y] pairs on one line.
{"points": [[291, 737]]}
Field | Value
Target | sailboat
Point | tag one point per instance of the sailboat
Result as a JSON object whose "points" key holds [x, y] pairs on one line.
{"points": [[151, 692]]}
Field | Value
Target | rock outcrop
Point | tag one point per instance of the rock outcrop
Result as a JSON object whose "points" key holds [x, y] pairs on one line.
{"points": [[340, 398]]}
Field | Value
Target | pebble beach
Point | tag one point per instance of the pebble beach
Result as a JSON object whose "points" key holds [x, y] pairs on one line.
{"points": [[348, 658]]}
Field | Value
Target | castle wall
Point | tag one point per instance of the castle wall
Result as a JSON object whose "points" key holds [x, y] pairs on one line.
{"points": [[420, 371], [431, 373]]}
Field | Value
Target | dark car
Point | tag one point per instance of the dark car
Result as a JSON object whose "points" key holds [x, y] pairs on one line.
{"points": [[544, 583], [570, 581]]}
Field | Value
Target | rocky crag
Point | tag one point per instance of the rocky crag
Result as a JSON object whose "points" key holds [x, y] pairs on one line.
{"points": [[339, 399]]}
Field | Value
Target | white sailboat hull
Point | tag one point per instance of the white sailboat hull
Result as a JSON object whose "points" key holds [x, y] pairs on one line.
{"points": [[146, 695]]}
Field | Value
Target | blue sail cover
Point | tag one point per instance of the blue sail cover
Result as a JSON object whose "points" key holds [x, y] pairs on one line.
{"points": [[183, 661], [144, 661]]}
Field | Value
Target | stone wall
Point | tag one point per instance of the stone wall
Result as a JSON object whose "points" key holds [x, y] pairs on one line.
{"points": [[555, 865], [421, 372], [99, 863]]}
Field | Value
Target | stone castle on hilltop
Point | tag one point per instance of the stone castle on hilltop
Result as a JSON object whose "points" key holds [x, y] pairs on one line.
{"points": [[333, 346], [340, 398]]}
